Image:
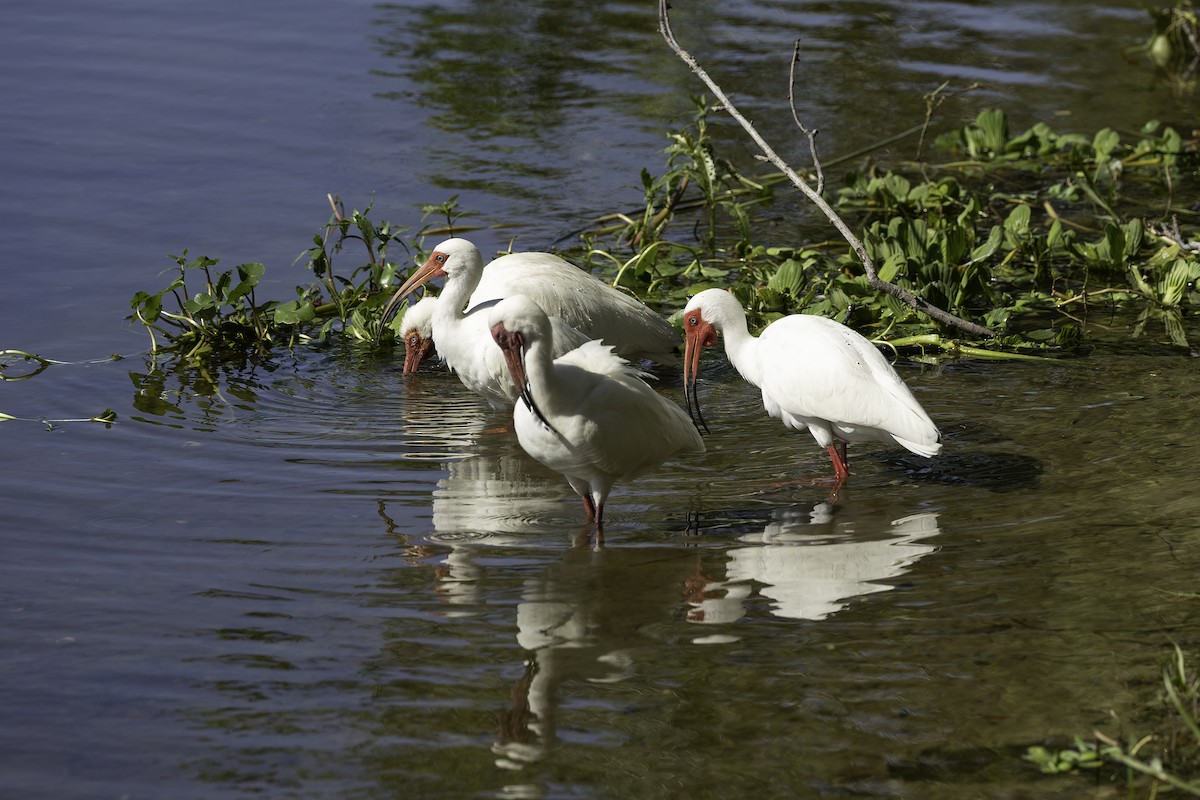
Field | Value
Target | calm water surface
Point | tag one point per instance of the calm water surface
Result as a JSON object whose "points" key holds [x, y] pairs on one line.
{"points": [[311, 578]]}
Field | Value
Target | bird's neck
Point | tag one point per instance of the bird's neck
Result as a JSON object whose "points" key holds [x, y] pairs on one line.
{"points": [[450, 329], [539, 371], [740, 347], [453, 299]]}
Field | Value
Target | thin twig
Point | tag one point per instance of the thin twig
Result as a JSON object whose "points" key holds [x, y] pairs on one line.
{"points": [[811, 135], [933, 101], [856, 244], [1171, 233]]}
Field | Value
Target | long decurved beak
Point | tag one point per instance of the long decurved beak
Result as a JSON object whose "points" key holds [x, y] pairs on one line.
{"points": [[693, 345], [428, 271], [512, 344]]}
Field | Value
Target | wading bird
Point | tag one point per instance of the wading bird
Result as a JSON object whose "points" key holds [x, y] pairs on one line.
{"points": [[569, 295], [416, 329], [587, 414], [814, 373]]}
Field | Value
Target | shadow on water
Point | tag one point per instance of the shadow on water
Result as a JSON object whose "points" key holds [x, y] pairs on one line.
{"points": [[994, 471]]}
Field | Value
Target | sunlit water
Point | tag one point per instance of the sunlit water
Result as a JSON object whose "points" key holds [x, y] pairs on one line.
{"points": [[313, 578]]}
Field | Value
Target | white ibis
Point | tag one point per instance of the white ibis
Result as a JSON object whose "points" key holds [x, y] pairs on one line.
{"points": [[814, 373], [566, 292], [461, 337], [587, 414], [416, 329]]}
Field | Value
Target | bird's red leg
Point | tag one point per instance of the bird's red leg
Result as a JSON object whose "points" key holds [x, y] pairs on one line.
{"points": [[841, 471], [589, 508], [599, 544]]}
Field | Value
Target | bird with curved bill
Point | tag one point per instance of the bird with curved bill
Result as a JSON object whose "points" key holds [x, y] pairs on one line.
{"points": [[580, 306], [587, 414], [814, 373]]}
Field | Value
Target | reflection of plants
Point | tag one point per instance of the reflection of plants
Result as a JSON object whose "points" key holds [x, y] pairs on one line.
{"points": [[1174, 47], [10, 357], [1170, 757]]}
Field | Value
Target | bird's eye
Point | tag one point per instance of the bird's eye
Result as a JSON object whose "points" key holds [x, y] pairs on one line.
{"points": [[441, 257], [414, 340], [693, 321]]}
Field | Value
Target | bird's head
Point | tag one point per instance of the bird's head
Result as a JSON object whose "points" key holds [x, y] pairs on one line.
{"points": [[455, 259], [516, 323], [417, 331], [703, 318]]}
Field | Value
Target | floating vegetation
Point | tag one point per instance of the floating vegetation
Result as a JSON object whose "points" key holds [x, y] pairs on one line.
{"points": [[1161, 761], [1000, 242], [1027, 261]]}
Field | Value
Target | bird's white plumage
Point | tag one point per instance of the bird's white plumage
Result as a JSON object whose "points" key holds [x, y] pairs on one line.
{"points": [[820, 375], [574, 299], [583, 301], [419, 317], [589, 414], [817, 374], [461, 335]]}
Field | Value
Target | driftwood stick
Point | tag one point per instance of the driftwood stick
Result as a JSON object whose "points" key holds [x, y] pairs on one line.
{"points": [[873, 279]]}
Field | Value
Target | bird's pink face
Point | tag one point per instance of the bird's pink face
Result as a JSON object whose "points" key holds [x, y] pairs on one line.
{"points": [[417, 348], [698, 333], [512, 344], [434, 267]]}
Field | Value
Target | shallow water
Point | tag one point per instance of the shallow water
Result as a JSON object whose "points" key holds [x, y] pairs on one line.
{"points": [[313, 578]]}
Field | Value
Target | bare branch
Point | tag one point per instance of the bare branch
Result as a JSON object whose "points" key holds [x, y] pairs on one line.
{"points": [[1169, 232], [873, 279], [811, 135]]}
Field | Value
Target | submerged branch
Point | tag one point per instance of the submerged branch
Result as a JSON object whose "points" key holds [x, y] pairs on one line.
{"points": [[873, 279]]}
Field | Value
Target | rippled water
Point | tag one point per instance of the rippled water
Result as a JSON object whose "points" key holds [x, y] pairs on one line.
{"points": [[311, 577]]}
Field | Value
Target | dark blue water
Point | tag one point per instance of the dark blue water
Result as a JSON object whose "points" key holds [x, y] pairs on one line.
{"points": [[309, 577]]}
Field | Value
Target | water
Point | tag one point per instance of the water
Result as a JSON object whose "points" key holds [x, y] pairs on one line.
{"points": [[312, 578]]}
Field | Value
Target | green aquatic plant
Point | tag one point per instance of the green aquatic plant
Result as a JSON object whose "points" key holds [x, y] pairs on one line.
{"points": [[1174, 45], [107, 417], [219, 314], [1060, 237], [22, 361], [203, 313], [1168, 759]]}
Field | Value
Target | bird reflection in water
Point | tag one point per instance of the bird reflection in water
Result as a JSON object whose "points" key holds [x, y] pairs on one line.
{"points": [[583, 620], [810, 566], [488, 499]]}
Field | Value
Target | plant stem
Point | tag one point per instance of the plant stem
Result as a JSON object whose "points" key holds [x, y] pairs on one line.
{"points": [[873, 278]]}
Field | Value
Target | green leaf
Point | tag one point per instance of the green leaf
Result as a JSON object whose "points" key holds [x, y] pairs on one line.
{"points": [[200, 302], [251, 271], [891, 267], [988, 248], [1017, 222], [149, 306], [1103, 143], [295, 312], [788, 278]]}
